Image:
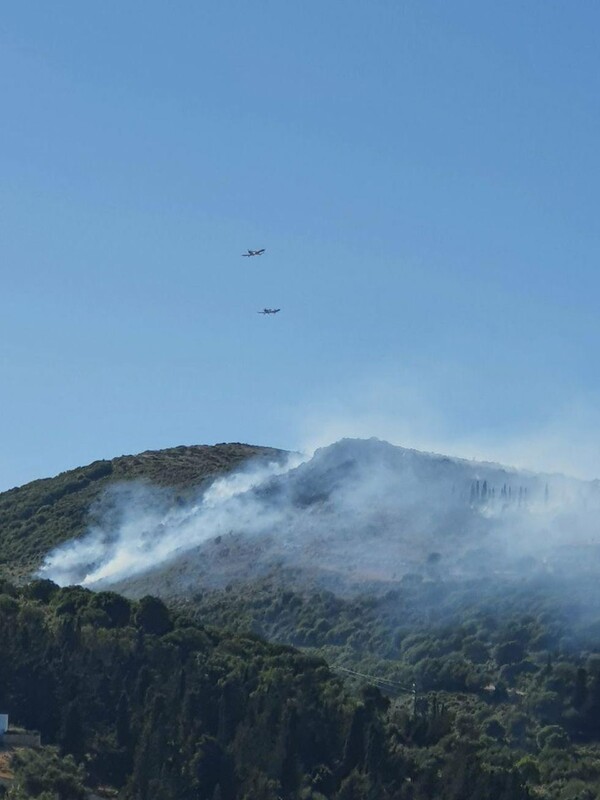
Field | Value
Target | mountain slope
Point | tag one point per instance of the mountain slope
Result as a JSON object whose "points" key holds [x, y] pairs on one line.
{"points": [[155, 707], [478, 583], [40, 515], [358, 511], [357, 515]]}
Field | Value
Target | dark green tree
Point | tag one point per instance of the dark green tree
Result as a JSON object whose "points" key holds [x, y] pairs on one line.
{"points": [[153, 616]]}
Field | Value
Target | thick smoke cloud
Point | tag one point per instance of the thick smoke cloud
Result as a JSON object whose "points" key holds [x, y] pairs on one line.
{"points": [[141, 526], [357, 511]]}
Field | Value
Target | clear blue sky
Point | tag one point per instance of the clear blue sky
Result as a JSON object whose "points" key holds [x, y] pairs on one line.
{"points": [[424, 176]]}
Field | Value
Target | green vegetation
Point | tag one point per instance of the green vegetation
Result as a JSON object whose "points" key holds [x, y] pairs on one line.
{"points": [[41, 515], [183, 698], [44, 775], [515, 663], [157, 707]]}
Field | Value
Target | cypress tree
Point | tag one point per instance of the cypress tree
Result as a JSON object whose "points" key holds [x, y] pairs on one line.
{"points": [[72, 733], [123, 724]]}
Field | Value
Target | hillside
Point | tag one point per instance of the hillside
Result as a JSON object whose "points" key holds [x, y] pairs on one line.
{"points": [[42, 514], [154, 706], [475, 583], [358, 515]]}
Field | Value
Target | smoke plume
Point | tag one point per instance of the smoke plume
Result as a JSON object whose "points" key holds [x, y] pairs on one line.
{"points": [[357, 511]]}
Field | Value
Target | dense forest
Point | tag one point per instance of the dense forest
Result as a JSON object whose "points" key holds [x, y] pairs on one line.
{"points": [[147, 702], [516, 662]]}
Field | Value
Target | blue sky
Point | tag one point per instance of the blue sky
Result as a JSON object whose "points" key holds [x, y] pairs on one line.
{"points": [[424, 176]]}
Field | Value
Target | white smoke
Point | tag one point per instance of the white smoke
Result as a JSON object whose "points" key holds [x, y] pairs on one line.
{"points": [[431, 408], [141, 526], [357, 510]]}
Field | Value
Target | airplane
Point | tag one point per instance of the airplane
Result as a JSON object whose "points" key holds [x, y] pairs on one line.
{"points": [[253, 253], [269, 311]]}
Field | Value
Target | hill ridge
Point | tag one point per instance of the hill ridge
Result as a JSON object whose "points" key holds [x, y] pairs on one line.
{"points": [[41, 514]]}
